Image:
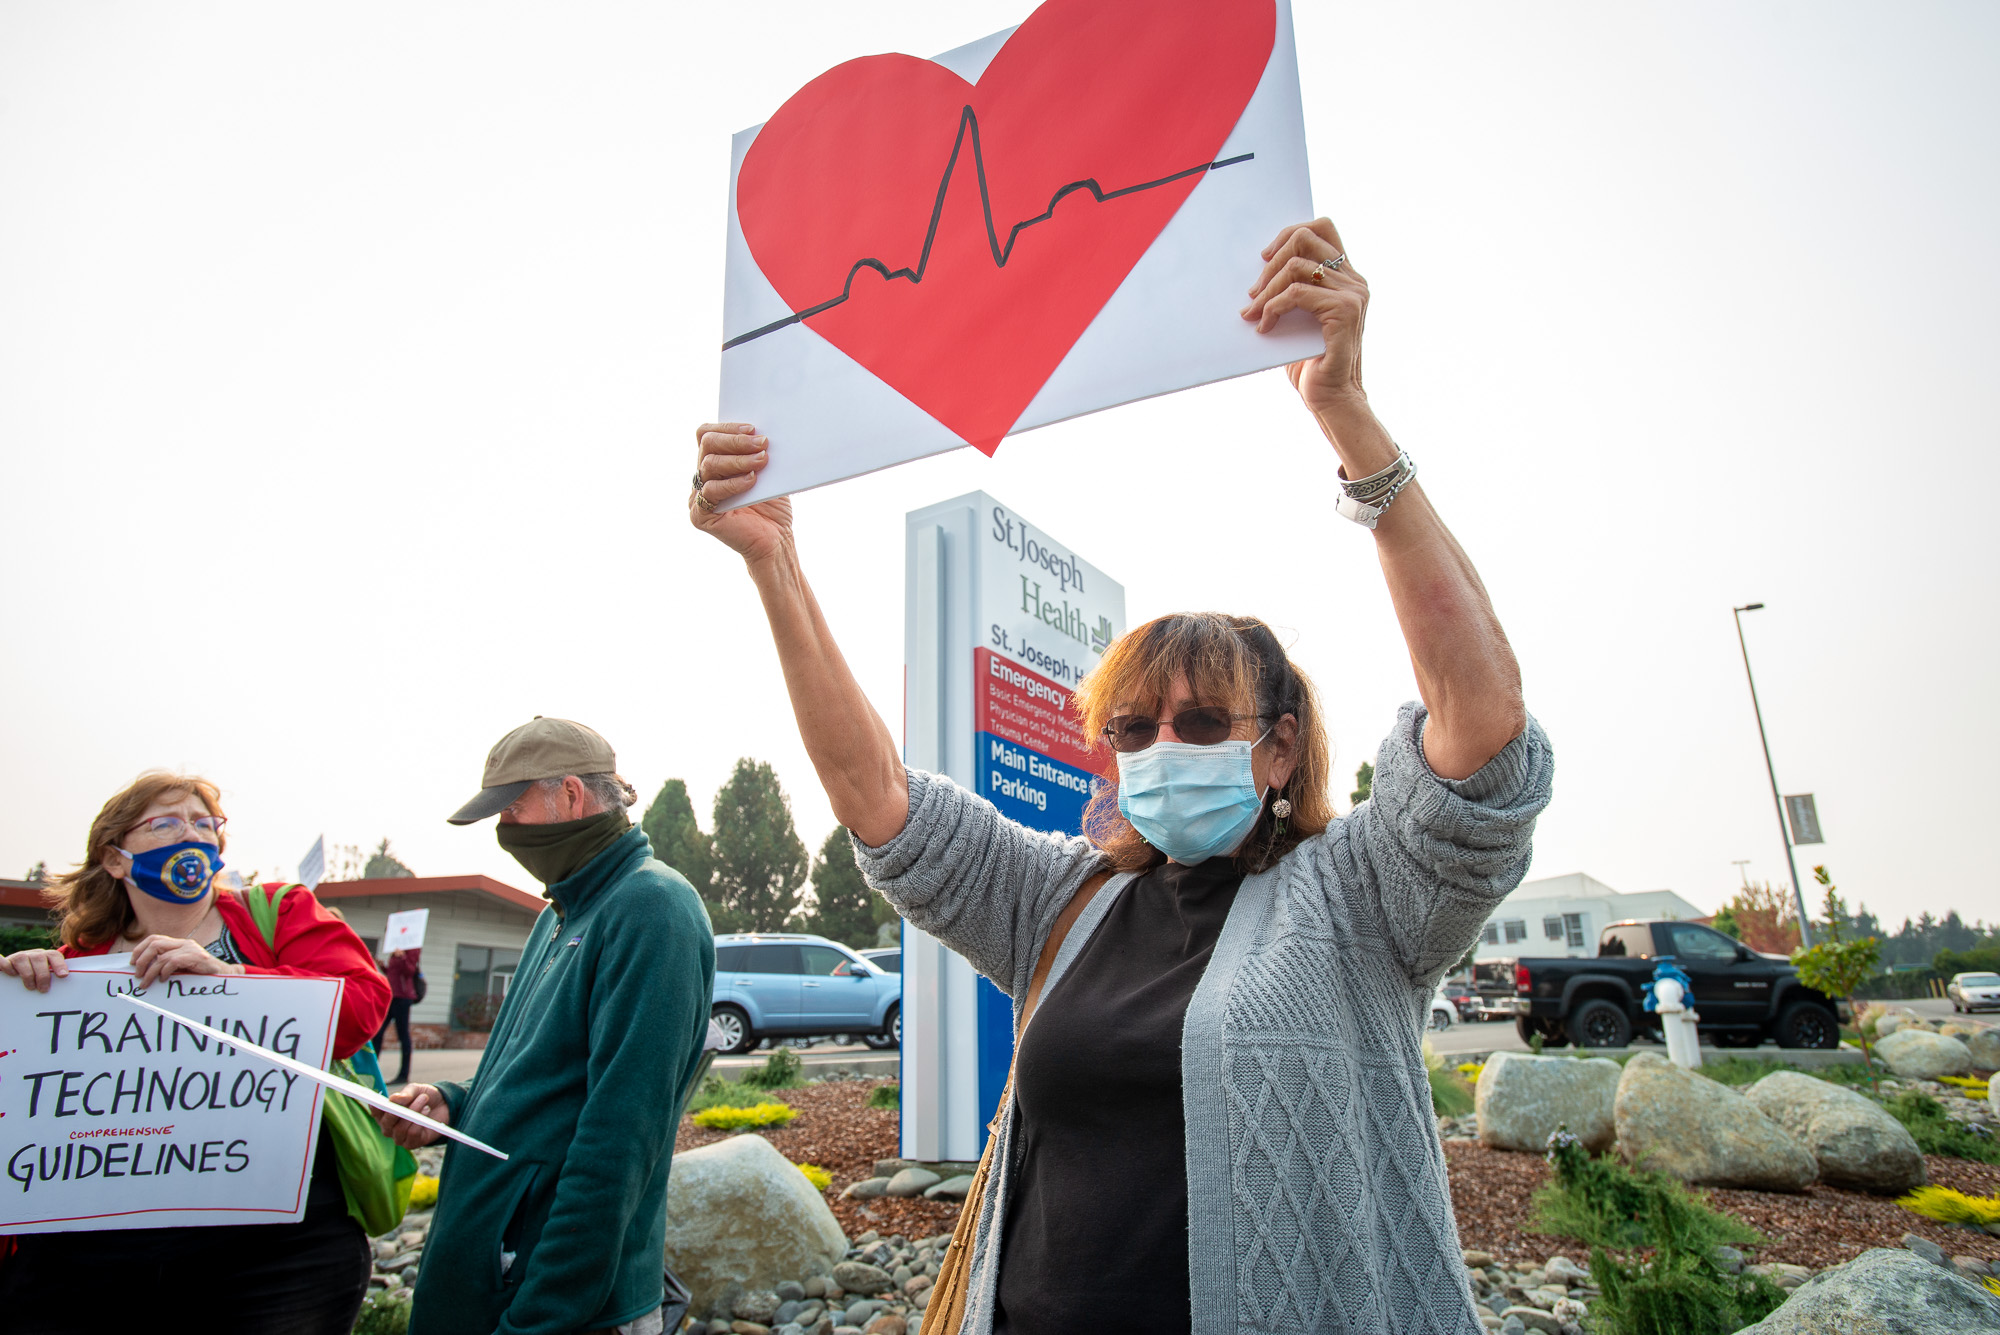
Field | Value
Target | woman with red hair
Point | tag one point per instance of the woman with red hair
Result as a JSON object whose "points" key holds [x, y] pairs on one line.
{"points": [[147, 886]]}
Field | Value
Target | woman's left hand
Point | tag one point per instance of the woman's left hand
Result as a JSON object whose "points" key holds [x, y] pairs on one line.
{"points": [[1300, 273], [159, 957]]}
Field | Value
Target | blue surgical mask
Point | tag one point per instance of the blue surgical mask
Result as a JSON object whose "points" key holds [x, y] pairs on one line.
{"points": [[179, 873], [1190, 802]]}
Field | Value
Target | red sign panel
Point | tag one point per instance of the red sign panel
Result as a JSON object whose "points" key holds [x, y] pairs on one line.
{"points": [[1027, 708]]}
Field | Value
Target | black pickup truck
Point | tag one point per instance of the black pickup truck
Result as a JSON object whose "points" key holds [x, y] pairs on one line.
{"points": [[1741, 997]]}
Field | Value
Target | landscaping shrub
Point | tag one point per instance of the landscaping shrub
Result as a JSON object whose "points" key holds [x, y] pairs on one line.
{"points": [[382, 1315], [819, 1177], [781, 1070], [1952, 1207], [1450, 1095], [736, 1119], [1936, 1133], [886, 1096], [1679, 1289]]}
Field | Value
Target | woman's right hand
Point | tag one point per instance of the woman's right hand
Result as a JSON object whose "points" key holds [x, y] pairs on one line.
{"points": [[728, 457], [35, 968]]}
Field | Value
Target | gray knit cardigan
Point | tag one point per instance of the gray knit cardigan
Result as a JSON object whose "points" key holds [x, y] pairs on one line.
{"points": [[1317, 1196]]}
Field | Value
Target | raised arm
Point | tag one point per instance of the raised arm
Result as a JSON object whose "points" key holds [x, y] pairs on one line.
{"points": [[851, 747], [1465, 669]]}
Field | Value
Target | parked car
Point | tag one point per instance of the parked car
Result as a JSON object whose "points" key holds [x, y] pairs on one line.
{"points": [[1973, 991], [889, 957], [1443, 1011], [793, 985], [1742, 997], [1464, 998]]}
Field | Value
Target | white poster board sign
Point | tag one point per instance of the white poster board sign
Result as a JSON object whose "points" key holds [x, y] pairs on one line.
{"points": [[1065, 216], [111, 1117], [405, 930]]}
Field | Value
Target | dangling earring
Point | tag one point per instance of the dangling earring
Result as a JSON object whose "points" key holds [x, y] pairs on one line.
{"points": [[1281, 809]]}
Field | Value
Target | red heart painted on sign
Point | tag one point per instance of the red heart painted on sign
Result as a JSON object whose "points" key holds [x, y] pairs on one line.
{"points": [[861, 198]]}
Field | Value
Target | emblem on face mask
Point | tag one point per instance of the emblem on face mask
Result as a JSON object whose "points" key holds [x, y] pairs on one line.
{"points": [[187, 873]]}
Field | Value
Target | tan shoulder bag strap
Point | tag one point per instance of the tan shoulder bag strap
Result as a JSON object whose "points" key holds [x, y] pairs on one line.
{"points": [[946, 1311]]}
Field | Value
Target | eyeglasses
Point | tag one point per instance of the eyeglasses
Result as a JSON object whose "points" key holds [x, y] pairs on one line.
{"points": [[1204, 725], [176, 828]]}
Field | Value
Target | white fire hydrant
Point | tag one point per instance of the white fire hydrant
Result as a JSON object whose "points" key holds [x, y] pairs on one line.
{"points": [[1677, 1022]]}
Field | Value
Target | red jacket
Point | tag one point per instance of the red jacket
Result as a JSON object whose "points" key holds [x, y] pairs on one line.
{"points": [[312, 943]]}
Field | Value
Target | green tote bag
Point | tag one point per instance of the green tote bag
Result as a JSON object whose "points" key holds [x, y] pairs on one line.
{"points": [[376, 1174]]}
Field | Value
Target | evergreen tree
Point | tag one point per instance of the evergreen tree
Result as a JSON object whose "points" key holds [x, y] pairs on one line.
{"points": [[678, 841], [1364, 783], [844, 907], [760, 865], [384, 864]]}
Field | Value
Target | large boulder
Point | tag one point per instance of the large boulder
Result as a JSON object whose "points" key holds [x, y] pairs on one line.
{"points": [[1917, 1054], [1985, 1049], [739, 1214], [1704, 1133], [1886, 1291], [1855, 1142], [1520, 1099]]}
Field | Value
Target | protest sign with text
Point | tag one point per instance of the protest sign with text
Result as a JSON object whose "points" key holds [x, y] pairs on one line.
{"points": [[113, 1118], [928, 254], [405, 930]]}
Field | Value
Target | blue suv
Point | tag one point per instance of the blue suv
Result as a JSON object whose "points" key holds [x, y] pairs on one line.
{"points": [[787, 985]]}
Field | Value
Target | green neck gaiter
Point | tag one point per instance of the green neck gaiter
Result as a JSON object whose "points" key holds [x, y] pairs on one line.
{"points": [[557, 852]]}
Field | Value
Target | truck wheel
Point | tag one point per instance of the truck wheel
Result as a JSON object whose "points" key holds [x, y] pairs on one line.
{"points": [[1600, 1024], [735, 1027], [1526, 1029], [1806, 1024]]}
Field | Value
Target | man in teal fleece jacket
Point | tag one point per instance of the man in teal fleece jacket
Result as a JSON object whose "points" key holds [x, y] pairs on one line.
{"points": [[584, 1075]]}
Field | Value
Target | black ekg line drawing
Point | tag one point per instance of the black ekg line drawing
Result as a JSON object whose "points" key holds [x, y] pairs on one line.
{"points": [[968, 122]]}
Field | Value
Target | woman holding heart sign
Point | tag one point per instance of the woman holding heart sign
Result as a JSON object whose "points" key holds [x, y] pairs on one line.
{"points": [[1220, 1119]]}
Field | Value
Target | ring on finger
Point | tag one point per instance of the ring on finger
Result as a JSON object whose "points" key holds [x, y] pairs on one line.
{"points": [[706, 504], [1325, 267]]}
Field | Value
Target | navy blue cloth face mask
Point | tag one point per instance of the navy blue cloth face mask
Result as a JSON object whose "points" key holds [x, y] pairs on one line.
{"points": [[179, 873]]}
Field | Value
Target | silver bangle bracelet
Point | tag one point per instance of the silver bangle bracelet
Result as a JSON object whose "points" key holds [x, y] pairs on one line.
{"points": [[1364, 500]]}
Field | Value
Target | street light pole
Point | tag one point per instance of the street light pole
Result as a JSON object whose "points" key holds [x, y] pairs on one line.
{"points": [[1798, 891]]}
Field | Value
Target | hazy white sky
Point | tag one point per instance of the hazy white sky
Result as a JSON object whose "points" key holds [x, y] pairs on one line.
{"points": [[349, 356]]}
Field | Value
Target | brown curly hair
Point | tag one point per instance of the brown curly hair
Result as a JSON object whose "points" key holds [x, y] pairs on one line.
{"points": [[1230, 660], [90, 904]]}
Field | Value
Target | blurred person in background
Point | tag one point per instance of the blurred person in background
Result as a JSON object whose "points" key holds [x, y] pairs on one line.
{"points": [[404, 969]]}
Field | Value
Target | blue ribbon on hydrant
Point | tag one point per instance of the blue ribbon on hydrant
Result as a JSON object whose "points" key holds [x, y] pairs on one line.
{"points": [[1664, 968]]}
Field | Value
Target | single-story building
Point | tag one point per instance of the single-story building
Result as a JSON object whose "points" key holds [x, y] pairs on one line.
{"points": [[1562, 915], [21, 904], [472, 942]]}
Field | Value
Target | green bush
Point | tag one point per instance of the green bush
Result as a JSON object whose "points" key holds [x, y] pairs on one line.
{"points": [[737, 1119], [1450, 1095], [1678, 1289], [781, 1070], [886, 1096], [1936, 1133], [17, 937], [382, 1315], [715, 1092]]}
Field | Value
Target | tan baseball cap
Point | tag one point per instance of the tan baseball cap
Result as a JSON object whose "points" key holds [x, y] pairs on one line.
{"points": [[547, 748]]}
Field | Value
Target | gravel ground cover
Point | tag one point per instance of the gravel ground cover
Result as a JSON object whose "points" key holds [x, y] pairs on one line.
{"points": [[1819, 1227], [838, 1131], [1490, 1189]]}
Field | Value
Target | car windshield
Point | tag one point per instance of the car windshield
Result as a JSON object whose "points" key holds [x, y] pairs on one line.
{"points": [[1980, 980]]}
